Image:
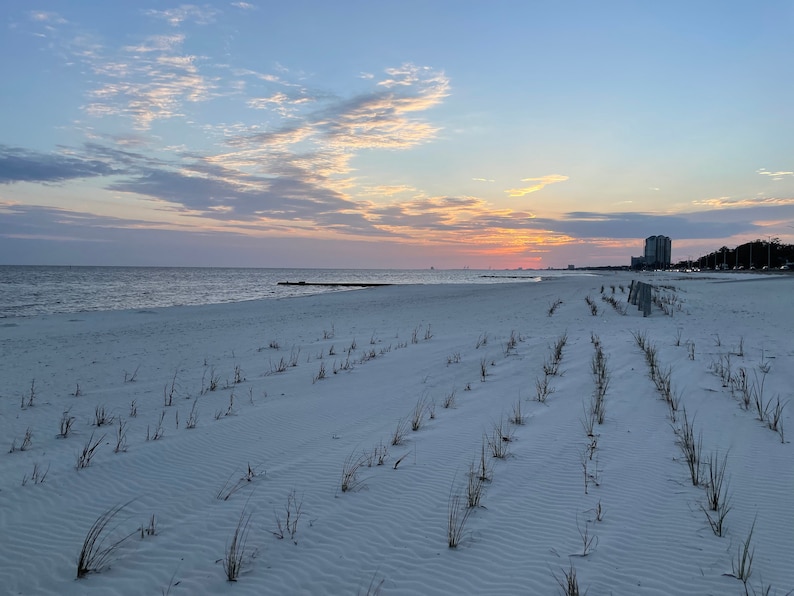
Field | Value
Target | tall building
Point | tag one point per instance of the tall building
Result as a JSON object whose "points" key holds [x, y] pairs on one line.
{"points": [[656, 255], [657, 251]]}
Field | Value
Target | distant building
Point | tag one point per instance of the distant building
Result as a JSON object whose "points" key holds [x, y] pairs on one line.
{"points": [[657, 254], [571, 267]]}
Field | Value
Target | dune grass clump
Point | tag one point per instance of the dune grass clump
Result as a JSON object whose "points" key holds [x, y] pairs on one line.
{"points": [[449, 400], [591, 305], [569, 584], [553, 306], [98, 549], [475, 485], [37, 476], [377, 456], [499, 440], [65, 425], [620, 307], [517, 416], [589, 541], [229, 488], [24, 445], [717, 498], [418, 413], [121, 436], [458, 513], [287, 524], [400, 432], [236, 551], [350, 472], [601, 379], [543, 389], [742, 565], [690, 447], [193, 416], [485, 468], [88, 451]]}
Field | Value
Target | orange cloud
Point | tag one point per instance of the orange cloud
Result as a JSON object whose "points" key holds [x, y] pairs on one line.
{"points": [[539, 183]]}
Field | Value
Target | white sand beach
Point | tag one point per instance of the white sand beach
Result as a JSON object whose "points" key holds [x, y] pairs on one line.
{"points": [[286, 396]]}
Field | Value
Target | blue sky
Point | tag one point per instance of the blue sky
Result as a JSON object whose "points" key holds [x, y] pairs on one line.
{"points": [[391, 134]]}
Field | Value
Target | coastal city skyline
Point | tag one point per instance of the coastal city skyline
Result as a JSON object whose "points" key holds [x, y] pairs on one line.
{"points": [[371, 135]]}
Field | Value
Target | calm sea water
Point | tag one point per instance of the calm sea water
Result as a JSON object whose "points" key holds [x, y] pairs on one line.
{"points": [[29, 291]]}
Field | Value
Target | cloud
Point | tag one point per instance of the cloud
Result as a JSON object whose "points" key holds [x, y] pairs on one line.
{"points": [[591, 225], [774, 175], [244, 5], [187, 12], [728, 202], [150, 81], [539, 184], [21, 165], [42, 16], [382, 119]]}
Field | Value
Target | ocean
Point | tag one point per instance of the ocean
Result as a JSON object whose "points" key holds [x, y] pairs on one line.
{"points": [[39, 290]]}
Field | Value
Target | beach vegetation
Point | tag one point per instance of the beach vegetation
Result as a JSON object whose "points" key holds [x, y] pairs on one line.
{"points": [[37, 476], [65, 424], [350, 472], [99, 545], [88, 452], [458, 513], [400, 432], [568, 583], [287, 522], [236, 548]]}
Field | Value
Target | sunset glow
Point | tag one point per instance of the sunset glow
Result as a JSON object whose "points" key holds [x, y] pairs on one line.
{"points": [[325, 135]]}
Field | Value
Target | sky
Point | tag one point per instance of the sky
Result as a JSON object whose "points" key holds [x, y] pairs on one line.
{"points": [[375, 134]]}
